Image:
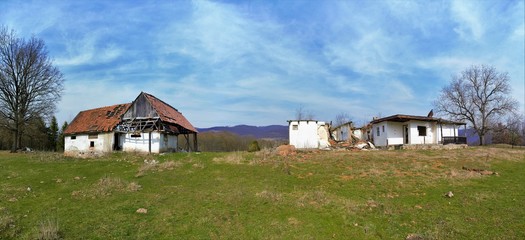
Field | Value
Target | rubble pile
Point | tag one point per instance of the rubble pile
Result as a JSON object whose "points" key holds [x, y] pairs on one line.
{"points": [[352, 145]]}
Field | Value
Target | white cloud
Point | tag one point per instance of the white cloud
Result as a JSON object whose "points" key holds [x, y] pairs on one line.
{"points": [[467, 15], [255, 63]]}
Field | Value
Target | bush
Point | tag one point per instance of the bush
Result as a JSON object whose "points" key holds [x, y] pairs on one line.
{"points": [[254, 147]]}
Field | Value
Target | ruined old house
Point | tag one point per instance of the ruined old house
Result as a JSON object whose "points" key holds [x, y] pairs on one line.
{"points": [[343, 132], [309, 134], [411, 130], [148, 125]]}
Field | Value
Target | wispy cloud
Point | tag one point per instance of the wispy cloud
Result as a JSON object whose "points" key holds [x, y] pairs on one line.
{"points": [[225, 63]]}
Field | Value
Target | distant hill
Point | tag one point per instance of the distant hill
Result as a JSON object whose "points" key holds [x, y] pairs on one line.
{"points": [[272, 131]]}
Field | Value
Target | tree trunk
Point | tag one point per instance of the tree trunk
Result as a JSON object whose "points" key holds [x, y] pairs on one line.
{"points": [[13, 146], [480, 140]]}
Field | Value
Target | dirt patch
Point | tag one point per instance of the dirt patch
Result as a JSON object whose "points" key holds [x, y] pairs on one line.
{"points": [[480, 171], [286, 150]]}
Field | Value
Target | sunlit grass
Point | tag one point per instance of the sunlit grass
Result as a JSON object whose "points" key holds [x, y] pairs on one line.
{"points": [[239, 195]]}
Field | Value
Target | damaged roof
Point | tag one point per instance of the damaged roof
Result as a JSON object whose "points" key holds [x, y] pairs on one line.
{"points": [[168, 114], [406, 118], [103, 119]]}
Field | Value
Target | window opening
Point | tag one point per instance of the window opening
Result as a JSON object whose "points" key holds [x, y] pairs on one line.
{"points": [[422, 130]]}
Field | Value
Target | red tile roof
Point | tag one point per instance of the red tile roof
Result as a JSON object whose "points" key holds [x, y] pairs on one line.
{"points": [[103, 119], [168, 113]]}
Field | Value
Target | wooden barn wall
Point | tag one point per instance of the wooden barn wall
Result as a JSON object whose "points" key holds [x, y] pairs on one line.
{"points": [[140, 108]]}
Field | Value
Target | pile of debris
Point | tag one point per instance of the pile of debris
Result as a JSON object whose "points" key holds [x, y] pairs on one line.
{"points": [[352, 145]]}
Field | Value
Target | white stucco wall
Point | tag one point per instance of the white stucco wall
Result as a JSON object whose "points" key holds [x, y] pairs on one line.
{"points": [[394, 132], [102, 142], [159, 142], [390, 133], [414, 137], [305, 134], [141, 143], [342, 133]]}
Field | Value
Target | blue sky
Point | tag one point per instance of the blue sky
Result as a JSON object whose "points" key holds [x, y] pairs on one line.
{"points": [[223, 63]]}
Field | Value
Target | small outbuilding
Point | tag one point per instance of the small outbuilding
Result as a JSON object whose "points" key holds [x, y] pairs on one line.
{"points": [[309, 134], [148, 125]]}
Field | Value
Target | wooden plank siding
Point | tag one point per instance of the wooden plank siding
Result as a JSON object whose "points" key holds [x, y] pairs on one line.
{"points": [[140, 108]]}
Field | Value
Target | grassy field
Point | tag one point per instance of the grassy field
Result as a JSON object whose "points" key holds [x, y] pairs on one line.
{"points": [[311, 195]]}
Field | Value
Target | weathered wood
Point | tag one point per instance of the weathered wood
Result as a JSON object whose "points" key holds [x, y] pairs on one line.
{"points": [[141, 108]]}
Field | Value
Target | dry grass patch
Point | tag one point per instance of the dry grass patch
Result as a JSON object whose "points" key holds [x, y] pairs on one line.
{"points": [[46, 156], [154, 165], [48, 230], [270, 196], [317, 198], [7, 224], [231, 158], [107, 186]]}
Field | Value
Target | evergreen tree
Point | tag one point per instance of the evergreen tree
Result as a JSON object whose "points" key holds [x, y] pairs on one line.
{"points": [[53, 134], [60, 141]]}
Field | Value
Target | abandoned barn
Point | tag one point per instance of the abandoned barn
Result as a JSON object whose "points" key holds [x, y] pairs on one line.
{"points": [[148, 125]]}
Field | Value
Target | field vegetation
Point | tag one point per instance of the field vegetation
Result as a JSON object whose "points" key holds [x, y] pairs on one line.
{"points": [[260, 195]]}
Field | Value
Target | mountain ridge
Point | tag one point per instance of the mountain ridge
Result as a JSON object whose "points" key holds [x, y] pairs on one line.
{"points": [[270, 131]]}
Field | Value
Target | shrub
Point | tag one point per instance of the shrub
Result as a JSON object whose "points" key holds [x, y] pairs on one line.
{"points": [[254, 147]]}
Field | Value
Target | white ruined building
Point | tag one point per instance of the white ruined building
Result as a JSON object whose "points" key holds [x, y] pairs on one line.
{"points": [[309, 134]]}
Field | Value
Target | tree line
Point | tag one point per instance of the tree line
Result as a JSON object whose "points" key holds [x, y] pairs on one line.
{"points": [[229, 142], [38, 135]]}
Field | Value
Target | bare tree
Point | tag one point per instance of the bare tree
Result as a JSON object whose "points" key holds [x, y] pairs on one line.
{"points": [[479, 95], [341, 119], [510, 132], [302, 114], [30, 85]]}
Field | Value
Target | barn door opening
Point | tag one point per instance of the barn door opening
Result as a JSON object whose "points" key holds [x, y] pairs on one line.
{"points": [[116, 142]]}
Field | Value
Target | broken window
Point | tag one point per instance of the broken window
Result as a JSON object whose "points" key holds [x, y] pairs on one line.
{"points": [[73, 137], [295, 127], [92, 144], [422, 130], [135, 135]]}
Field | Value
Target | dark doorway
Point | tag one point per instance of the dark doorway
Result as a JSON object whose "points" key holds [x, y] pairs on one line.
{"points": [[116, 146], [405, 130]]}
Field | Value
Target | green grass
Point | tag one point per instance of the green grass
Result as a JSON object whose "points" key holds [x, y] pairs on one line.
{"points": [[311, 195]]}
